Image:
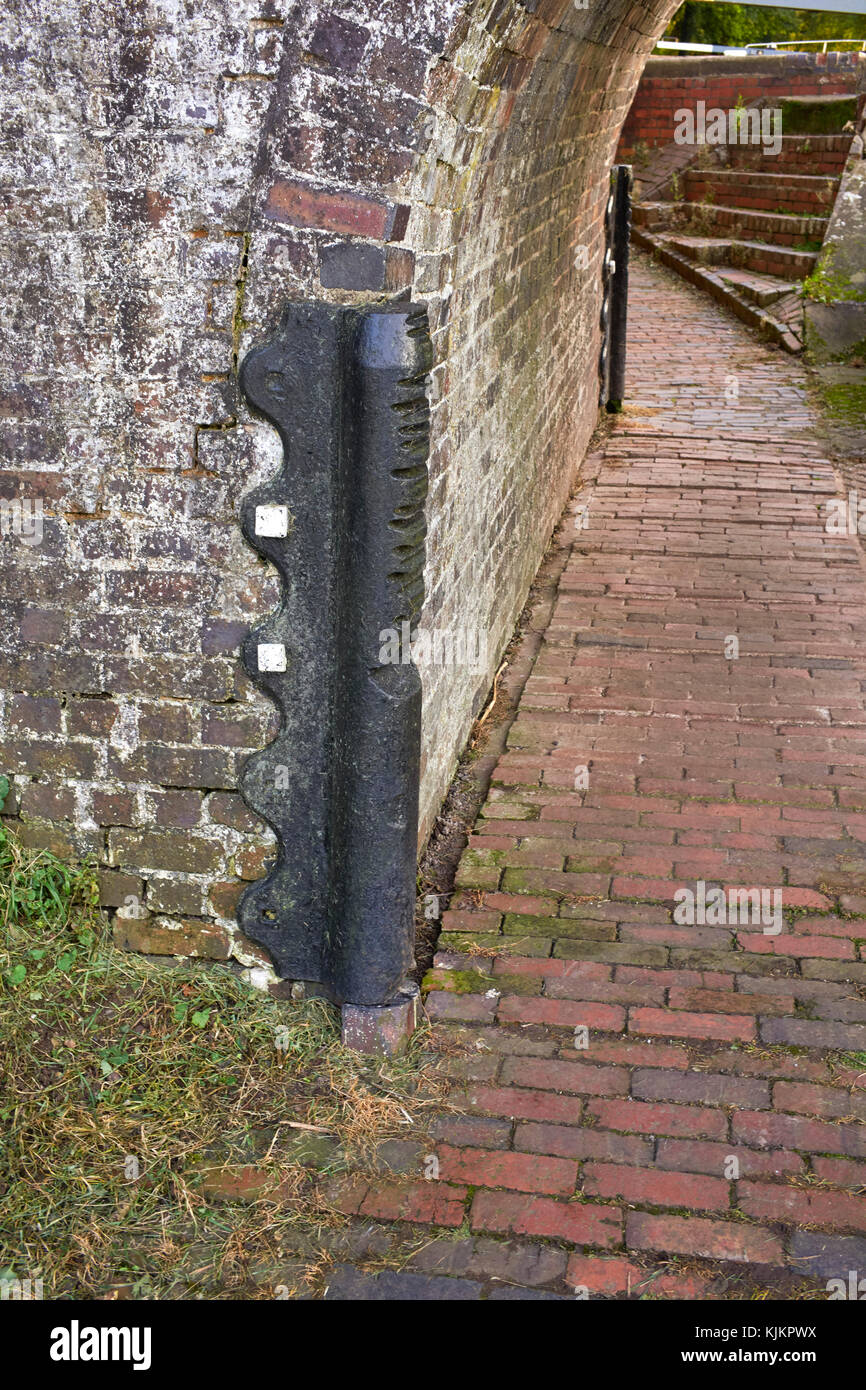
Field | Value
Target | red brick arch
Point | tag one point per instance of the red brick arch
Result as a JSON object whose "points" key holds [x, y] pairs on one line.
{"points": [[199, 171]]}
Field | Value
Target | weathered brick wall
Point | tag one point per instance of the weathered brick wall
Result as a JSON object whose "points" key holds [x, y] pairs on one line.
{"points": [[669, 84], [527, 110], [169, 180]]}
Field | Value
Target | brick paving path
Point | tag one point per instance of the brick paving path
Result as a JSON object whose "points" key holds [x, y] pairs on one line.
{"points": [[710, 1139]]}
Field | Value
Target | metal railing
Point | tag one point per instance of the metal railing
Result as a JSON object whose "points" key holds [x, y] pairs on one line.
{"points": [[860, 44], [751, 49]]}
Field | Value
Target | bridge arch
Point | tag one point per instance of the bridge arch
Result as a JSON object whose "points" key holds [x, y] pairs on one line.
{"points": [[173, 179]]}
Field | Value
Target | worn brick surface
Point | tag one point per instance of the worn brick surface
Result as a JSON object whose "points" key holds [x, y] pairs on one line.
{"points": [[678, 1089]]}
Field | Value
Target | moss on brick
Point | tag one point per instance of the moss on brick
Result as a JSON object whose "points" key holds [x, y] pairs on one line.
{"points": [[847, 399], [827, 285], [820, 116]]}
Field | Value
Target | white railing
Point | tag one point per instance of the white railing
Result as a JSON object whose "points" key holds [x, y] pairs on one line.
{"points": [[805, 43], [733, 51], [701, 47]]}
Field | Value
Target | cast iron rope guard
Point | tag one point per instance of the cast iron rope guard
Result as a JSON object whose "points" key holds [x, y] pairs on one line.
{"points": [[343, 523]]}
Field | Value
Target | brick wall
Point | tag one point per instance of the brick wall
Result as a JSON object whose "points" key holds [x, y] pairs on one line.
{"points": [[669, 84], [169, 180]]}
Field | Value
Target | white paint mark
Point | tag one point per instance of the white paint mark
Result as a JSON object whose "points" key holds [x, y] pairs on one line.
{"points": [[272, 521], [272, 656]]}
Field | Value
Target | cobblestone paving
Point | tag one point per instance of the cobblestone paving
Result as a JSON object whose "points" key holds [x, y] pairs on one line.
{"points": [[657, 1107]]}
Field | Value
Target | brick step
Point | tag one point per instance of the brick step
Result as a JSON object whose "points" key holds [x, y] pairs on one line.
{"points": [[800, 194], [800, 154], [691, 257], [772, 228], [760, 289], [745, 255]]}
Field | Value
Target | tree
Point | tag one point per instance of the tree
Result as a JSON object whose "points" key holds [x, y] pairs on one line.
{"points": [[699, 22]]}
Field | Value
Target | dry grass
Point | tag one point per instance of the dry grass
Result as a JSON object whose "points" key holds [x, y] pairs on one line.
{"points": [[123, 1082]]}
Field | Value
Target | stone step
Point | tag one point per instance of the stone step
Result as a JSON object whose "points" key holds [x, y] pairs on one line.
{"points": [[744, 255], [783, 326], [773, 228], [800, 194], [800, 154], [760, 289]]}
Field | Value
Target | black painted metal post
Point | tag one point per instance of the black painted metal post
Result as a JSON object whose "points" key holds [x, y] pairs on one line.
{"points": [[621, 185], [343, 522], [604, 312]]}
